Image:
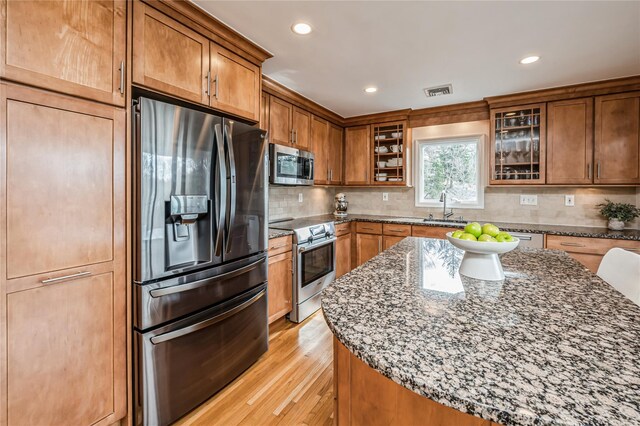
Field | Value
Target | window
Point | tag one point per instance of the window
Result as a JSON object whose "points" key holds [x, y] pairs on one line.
{"points": [[454, 165]]}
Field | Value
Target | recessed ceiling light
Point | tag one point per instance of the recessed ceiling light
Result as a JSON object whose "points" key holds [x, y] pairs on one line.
{"points": [[301, 28], [371, 89], [529, 60]]}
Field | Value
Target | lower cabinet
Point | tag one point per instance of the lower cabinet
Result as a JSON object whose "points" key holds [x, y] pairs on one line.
{"points": [[62, 286], [367, 247], [431, 231], [589, 251], [343, 254], [388, 241], [280, 278]]}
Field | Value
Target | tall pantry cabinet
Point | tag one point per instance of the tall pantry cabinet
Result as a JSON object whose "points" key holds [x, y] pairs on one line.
{"points": [[62, 212]]}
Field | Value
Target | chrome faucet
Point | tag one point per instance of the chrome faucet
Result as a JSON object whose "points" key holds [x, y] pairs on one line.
{"points": [[443, 199]]}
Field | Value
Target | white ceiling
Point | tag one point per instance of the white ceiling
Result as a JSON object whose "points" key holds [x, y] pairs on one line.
{"points": [[404, 47]]}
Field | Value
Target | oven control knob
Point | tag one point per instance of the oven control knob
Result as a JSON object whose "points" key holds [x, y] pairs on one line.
{"points": [[310, 240], [328, 234]]}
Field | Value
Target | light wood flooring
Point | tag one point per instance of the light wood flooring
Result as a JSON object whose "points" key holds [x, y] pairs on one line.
{"points": [[292, 384]]}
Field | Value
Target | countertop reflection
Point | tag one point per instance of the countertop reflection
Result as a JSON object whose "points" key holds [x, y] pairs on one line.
{"points": [[551, 344]]}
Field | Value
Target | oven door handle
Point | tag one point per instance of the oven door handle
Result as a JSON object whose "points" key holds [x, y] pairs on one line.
{"points": [[207, 323], [159, 292], [324, 243]]}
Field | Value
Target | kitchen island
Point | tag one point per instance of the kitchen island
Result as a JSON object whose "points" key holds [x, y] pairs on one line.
{"points": [[551, 344]]}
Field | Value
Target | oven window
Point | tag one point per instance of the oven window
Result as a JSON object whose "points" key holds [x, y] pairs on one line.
{"points": [[316, 263]]}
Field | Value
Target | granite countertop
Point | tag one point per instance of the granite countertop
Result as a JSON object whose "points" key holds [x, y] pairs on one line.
{"points": [[275, 233], [551, 344], [564, 230]]}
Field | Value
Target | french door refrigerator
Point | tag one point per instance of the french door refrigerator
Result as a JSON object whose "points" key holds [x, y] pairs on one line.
{"points": [[200, 267]]}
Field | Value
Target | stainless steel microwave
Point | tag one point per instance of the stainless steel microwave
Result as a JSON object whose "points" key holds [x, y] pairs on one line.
{"points": [[290, 166]]}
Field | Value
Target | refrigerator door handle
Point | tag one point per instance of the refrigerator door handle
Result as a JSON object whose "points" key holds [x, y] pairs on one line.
{"points": [[232, 184], [222, 205], [159, 292], [207, 323]]}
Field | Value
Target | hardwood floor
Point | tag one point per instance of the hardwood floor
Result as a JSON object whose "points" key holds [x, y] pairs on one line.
{"points": [[292, 384]]}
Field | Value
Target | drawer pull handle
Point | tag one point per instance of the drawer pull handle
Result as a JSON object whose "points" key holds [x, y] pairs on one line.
{"points": [[572, 244], [277, 247], [395, 230], [66, 277]]}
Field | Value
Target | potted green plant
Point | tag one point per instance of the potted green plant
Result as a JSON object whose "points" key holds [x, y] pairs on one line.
{"points": [[618, 213]]}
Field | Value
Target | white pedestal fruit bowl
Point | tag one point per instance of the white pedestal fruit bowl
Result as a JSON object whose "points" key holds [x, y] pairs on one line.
{"points": [[481, 259]]}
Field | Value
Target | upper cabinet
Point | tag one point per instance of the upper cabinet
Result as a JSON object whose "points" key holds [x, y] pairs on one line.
{"points": [[357, 155], [570, 142], [301, 122], [233, 83], [168, 56], [518, 145], [389, 149], [171, 58], [617, 139], [72, 46], [320, 149], [289, 125], [334, 154]]}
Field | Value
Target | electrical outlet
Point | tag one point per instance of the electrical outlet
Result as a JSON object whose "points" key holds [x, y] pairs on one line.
{"points": [[569, 200], [385, 196], [528, 200], [300, 197]]}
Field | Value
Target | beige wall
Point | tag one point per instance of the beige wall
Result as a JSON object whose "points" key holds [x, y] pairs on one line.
{"points": [[500, 204]]}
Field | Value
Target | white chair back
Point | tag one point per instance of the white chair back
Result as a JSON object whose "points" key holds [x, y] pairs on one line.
{"points": [[621, 269]]}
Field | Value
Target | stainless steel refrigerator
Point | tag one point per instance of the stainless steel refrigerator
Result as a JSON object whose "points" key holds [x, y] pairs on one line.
{"points": [[200, 267]]}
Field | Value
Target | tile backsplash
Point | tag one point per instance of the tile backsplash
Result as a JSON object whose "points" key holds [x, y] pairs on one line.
{"points": [[283, 201], [501, 205]]}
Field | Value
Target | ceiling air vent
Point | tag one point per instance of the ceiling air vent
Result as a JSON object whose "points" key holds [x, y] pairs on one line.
{"points": [[447, 89]]}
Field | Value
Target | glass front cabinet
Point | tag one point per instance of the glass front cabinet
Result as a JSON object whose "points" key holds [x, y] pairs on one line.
{"points": [[518, 145]]}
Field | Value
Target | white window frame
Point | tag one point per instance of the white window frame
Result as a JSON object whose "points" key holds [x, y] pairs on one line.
{"points": [[480, 165]]}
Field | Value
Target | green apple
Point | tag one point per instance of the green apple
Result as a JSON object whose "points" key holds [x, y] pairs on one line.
{"points": [[504, 237], [467, 236], [490, 229], [456, 234], [486, 238], [474, 229]]}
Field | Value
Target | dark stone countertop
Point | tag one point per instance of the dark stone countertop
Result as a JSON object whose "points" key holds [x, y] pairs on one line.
{"points": [[565, 230], [551, 344]]}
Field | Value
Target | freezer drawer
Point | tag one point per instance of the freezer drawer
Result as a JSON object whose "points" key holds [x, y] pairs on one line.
{"points": [[167, 300], [181, 365]]}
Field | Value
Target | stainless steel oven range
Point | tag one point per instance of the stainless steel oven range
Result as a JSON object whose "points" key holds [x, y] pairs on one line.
{"points": [[314, 263]]}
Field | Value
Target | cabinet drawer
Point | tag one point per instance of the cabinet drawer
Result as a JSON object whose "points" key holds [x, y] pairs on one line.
{"points": [[396, 230], [431, 231], [279, 245], [343, 228], [587, 245], [368, 228]]}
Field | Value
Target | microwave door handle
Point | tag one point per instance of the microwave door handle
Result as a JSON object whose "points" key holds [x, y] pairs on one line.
{"points": [[222, 180], [232, 196]]}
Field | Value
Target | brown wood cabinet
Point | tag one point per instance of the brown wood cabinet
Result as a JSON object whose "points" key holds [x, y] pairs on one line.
{"points": [[617, 139], [280, 277], [589, 251], [264, 111], [390, 404], [168, 56], [570, 142], [367, 247], [70, 46], [391, 150], [63, 259], [320, 148], [343, 255], [388, 241], [334, 154], [234, 83], [280, 125], [431, 231], [357, 154], [301, 127], [171, 58]]}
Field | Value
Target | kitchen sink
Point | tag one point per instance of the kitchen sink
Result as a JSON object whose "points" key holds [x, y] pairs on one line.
{"points": [[418, 220]]}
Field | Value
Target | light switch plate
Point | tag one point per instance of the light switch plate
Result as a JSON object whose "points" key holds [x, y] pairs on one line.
{"points": [[569, 200], [300, 197], [385, 196], [528, 200]]}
